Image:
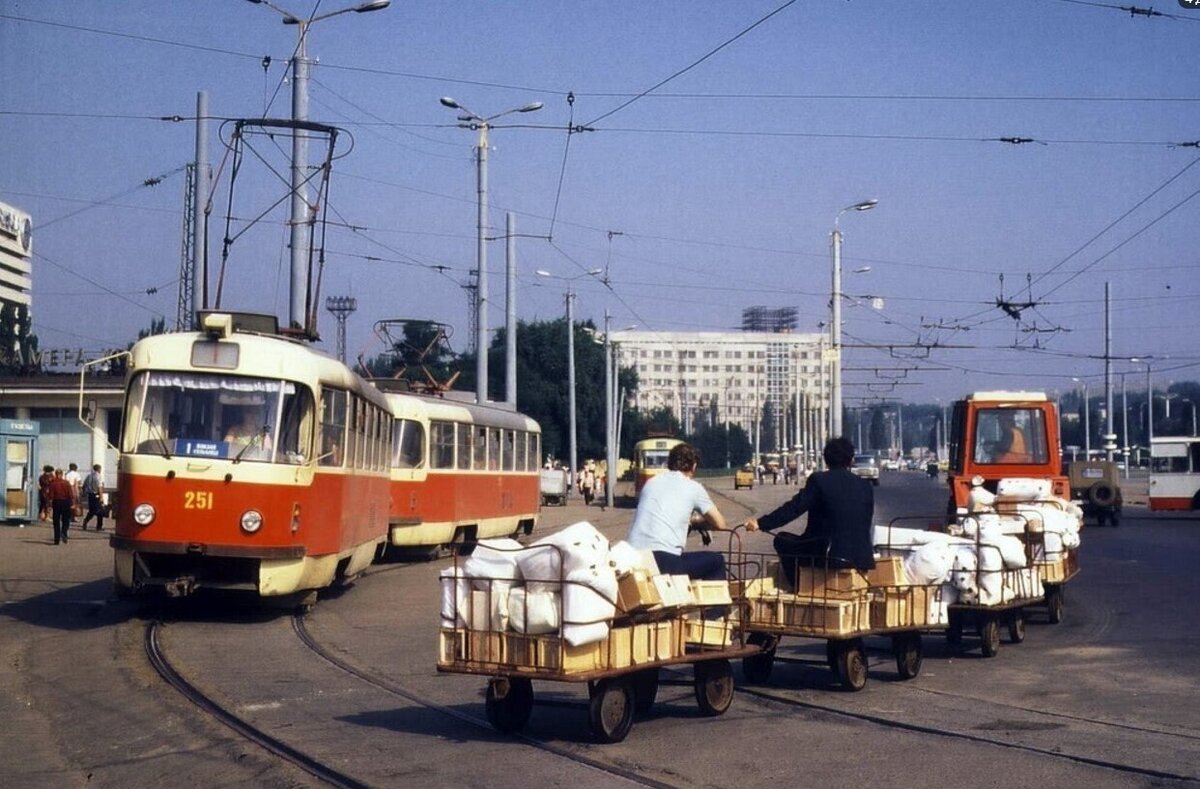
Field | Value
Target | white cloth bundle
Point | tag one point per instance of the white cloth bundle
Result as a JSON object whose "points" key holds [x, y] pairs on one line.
{"points": [[989, 524], [493, 560], [456, 597], [929, 563], [624, 558], [965, 563], [556, 556], [535, 611], [889, 537], [589, 600]]}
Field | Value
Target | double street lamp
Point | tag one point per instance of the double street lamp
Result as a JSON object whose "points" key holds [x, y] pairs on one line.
{"points": [[471, 120], [301, 210], [835, 330]]}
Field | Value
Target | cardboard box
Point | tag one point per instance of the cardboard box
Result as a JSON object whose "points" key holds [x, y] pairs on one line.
{"points": [[636, 592], [711, 593], [889, 571], [828, 617], [819, 583], [708, 632], [1054, 570], [673, 590]]}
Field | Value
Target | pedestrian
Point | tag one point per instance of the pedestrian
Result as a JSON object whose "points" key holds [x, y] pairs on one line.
{"points": [[664, 512], [587, 482], [62, 498], [44, 493], [93, 489], [76, 481], [840, 506]]}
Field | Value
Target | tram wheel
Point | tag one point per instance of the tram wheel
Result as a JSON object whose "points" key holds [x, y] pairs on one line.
{"points": [[1016, 628], [509, 703], [610, 711], [757, 668], [714, 686], [852, 665], [907, 648], [989, 631], [1054, 602], [645, 690]]}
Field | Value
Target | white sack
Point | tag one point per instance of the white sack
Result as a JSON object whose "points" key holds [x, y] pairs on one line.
{"points": [[557, 555], [964, 568], [929, 563], [456, 597], [624, 558], [493, 560], [892, 537], [534, 611], [589, 601]]}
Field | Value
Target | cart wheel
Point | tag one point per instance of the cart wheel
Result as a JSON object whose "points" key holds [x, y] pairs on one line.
{"points": [[851, 665], [509, 702], [610, 711], [989, 631], [757, 668], [1016, 628], [907, 648], [1054, 602], [645, 690], [714, 685]]}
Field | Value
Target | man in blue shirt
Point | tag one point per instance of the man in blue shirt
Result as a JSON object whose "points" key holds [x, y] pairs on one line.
{"points": [[664, 511]]}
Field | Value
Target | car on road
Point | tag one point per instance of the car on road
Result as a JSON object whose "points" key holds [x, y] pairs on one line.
{"points": [[867, 467], [1097, 484]]}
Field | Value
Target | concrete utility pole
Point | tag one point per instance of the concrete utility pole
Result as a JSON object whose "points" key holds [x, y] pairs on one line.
{"points": [[510, 310], [835, 331], [1110, 436], [199, 272]]}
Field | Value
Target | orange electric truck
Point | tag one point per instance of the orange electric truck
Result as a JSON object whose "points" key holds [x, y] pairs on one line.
{"points": [[995, 435]]}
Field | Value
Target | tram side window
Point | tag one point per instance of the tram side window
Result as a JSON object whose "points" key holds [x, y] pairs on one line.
{"points": [[408, 444], [464, 446], [533, 459], [514, 450], [494, 446], [481, 455], [296, 425], [441, 444], [333, 427]]}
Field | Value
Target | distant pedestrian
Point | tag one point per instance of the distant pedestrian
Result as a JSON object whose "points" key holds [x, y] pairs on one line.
{"points": [[62, 498], [93, 490], [76, 481], [44, 493]]}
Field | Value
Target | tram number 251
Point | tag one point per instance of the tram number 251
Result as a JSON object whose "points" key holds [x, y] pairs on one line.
{"points": [[197, 500]]}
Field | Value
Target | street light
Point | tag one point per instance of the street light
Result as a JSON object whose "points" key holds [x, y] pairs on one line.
{"points": [[1087, 424], [471, 120], [835, 330], [1149, 400], [1193, 405], [569, 297], [300, 208]]}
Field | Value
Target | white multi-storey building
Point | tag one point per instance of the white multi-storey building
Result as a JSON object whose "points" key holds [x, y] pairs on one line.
{"points": [[15, 252], [734, 375]]}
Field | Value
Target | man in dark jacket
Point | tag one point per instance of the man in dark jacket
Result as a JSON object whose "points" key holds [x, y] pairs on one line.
{"points": [[839, 506]]}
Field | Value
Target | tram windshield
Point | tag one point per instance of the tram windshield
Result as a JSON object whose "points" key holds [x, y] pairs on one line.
{"points": [[217, 416]]}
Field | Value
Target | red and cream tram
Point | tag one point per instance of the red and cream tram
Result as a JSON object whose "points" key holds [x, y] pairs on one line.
{"points": [[248, 461], [461, 471]]}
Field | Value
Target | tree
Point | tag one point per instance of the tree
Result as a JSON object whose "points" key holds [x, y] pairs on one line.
{"points": [[719, 446]]}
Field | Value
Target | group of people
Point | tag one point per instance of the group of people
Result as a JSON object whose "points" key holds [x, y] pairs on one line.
{"points": [[62, 495], [839, 506]]}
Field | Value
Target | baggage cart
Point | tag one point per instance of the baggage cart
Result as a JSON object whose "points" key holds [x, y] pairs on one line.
{"points": [[824, 599], [621, 669], [552, 485]]}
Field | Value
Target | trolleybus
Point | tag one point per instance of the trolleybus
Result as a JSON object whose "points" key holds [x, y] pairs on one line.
{"points": [[1175, 473]]}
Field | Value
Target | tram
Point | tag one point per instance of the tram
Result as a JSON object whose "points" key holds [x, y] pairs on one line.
{"points": [[248, 461], [460, 471], [650, 458]]}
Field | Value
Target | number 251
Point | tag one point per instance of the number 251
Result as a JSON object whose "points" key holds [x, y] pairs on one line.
{"points": [[197, 500]]}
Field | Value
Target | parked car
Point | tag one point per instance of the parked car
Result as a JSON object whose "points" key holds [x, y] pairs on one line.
{"points": [[867, 467]]}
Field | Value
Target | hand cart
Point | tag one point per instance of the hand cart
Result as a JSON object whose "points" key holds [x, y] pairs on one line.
{"points": [[822, 599], [1056, 564], [621, 669]]}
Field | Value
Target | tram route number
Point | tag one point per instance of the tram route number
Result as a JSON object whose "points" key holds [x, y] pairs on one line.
{"points": [[197, 500]]}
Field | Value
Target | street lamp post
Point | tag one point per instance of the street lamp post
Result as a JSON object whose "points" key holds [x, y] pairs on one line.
{"points": [[300, 208], [471, 120], [572, 434], [1149, 400], [1087, 424], [835, 330]]}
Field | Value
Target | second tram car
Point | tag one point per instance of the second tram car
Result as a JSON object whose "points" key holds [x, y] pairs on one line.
{"points": [[248, 461], [461, 472], [650, 458]]}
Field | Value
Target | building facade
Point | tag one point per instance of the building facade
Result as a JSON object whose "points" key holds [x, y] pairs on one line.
{"points": [[16, 249], [734, 377]]}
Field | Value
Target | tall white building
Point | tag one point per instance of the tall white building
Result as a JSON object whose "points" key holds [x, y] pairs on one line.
{"points": [[735, 374], [16, 249]]}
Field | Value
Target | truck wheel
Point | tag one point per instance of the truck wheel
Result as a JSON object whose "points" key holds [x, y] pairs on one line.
{"points": [[1101, 494]]}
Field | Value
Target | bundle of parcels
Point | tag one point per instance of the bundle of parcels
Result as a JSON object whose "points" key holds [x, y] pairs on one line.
{"points": [[1047, 524], [552, 605]]}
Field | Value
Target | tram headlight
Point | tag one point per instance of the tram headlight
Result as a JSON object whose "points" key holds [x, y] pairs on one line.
{"points": [[143, 514], [252, 521]]}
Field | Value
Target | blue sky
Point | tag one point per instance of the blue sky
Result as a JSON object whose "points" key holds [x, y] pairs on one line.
{"points": [[716, 191]]}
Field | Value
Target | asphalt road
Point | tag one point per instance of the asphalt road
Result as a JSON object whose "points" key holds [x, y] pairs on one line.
{"points": [[1106, 698]]}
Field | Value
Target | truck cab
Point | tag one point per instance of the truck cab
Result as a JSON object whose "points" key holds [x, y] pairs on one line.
{"points": [[995, 435]]}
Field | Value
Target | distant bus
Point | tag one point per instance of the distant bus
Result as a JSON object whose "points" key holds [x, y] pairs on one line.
{"points": [[650, 458], [1175, 473]]}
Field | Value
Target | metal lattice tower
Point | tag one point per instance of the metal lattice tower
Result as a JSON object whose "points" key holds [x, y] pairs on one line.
{"points": [[341, 307], [187, 259], [472, 289]]}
